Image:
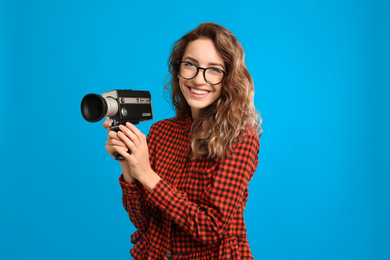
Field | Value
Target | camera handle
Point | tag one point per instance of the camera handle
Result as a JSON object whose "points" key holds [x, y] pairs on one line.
{"points": [[115, 128], [119, 157]]}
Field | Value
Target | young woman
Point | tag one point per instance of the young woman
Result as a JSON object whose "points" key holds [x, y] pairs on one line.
{"points": [[185, 186]]}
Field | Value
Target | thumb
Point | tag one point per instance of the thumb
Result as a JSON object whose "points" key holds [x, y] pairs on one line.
{"points": [[107, 125]]}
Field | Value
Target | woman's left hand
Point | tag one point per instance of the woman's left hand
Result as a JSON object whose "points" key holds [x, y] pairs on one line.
{"points": [[138, 158]]}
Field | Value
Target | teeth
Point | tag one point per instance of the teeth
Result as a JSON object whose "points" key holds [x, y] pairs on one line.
{"points": [[200, 92]]}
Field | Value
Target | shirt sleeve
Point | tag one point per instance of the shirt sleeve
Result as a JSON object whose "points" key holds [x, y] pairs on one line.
{"points": [[208, 220], [133, 199]]}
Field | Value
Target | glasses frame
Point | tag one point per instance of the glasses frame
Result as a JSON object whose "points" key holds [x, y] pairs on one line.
{"points": [[204, 72]]}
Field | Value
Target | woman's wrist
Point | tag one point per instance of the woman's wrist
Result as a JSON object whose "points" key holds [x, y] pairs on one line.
{"points": [[128, 178], [149, 180]]}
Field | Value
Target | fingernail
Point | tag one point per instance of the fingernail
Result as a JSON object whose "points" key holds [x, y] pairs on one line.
{"points": [[128, 124]]}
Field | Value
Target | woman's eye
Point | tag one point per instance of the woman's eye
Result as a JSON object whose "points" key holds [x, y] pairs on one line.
{"points": [[215, 70], [189, 64]]}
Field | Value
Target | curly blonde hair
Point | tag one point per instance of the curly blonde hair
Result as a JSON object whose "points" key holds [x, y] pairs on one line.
{"points": [[234, 113]]}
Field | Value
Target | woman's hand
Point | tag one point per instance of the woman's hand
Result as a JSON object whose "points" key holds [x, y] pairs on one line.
{"points": [[138, 158], [114, 141]]}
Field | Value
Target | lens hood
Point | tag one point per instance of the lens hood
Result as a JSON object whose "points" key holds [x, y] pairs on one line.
{"points": [[93, 107]]}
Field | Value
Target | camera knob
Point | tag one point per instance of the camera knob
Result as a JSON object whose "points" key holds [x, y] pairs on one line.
{"points": [[124, 112]]}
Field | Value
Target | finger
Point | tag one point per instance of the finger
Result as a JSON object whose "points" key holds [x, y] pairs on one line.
{"points": [[121, 148], [135, 130], [112, 142], [122, 152], [129, 143], [107, 125], [112, 149], [132, 136], [113, 135]]}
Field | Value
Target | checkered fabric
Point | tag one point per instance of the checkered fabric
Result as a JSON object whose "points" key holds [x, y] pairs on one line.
{"points": [[196, 210]]}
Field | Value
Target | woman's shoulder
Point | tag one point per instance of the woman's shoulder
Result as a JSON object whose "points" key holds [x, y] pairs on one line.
{"points": [[249, 141], [171, 124], [250, 134], [163, 123]]}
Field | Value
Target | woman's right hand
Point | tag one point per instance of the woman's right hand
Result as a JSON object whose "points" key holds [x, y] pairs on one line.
{"points": [[112, 139]]}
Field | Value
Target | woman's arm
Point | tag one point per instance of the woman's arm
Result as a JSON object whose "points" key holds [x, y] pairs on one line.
{"points": [[127, 177], [135, 204], [138, 158], [208, 220], [132, 194]]}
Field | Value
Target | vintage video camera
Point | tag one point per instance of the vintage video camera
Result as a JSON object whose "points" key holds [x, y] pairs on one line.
{"points": [[119, 106]]}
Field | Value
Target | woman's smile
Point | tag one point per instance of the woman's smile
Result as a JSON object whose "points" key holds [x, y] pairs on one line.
{"points": [[198, 92]]}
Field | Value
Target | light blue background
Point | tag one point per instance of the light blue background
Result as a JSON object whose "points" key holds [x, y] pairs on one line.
{"points": [[321, 72]]}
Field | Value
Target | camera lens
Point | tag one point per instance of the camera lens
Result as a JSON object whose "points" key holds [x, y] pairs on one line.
{"points": [[93, 107]]}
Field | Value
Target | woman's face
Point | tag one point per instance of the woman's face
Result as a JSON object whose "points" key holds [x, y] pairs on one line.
{"points": [[197, 91]]}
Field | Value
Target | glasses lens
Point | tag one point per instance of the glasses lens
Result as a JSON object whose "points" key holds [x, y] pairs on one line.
{"points": [[188, 70], [214, 75]]}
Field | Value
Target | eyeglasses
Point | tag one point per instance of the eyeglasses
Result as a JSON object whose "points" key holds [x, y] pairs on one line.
{"points": [[212, 75]]}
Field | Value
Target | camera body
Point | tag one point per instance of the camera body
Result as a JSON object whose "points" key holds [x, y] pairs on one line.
{"points": [[119, 106], [134, 106]]}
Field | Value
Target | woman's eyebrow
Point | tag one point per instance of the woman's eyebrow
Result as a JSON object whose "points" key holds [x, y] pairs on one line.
{"points": [[190, 58], [210, 64], [216, 64]]}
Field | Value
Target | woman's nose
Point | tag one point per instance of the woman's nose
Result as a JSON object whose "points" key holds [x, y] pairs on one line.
{"points": [[199, 78]]}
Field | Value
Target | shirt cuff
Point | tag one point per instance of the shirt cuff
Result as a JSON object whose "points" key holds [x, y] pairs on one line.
{"points": [[128, 188]]}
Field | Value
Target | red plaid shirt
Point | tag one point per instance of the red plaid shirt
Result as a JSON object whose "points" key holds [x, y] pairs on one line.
{"points": [[196, 210]]}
